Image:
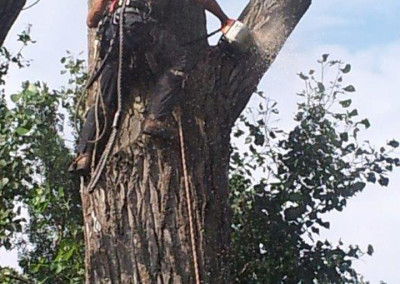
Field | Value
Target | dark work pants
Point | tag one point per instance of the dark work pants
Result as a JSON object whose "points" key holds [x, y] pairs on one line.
{"points": [[164, 56]]}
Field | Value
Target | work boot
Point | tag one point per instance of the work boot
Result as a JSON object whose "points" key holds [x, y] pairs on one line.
{"points": [[81, 164], [158, 128]]}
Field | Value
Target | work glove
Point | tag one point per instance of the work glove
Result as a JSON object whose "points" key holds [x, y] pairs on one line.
{"points": [[226, 25]]}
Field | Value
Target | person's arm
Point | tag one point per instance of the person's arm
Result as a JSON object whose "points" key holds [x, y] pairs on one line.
{"points": [[96, 12], [213, 7]]}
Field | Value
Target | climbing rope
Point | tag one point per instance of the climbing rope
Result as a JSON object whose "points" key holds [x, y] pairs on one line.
{"points": [[189, 202], [111, 140]]}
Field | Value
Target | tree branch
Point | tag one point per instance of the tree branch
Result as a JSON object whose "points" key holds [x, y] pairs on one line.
{"points": [[271, 21], [9, 11]]}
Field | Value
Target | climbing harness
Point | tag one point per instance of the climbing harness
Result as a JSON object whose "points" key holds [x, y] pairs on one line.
{"points": [[111, 140]]}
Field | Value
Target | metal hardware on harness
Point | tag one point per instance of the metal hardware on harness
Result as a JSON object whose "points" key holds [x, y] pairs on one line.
{"points": [[141, 10]]}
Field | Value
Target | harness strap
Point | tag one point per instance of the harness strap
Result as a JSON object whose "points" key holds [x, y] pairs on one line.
{"points": [[112, 6]]}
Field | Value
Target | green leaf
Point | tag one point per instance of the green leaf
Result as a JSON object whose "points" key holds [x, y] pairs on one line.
{"points": [[345, 103], [326, 225], [272, 135], [393, 143], [15, 97], [259, 139], [349, 88], [3, 182], [59, 268], [69, 254], [315, 230], [293, 213], [344, 136], [22, 131], [371, 177], [321, 87], [238, 133], [3, 163], [346, 69], [354, 112], [358, 186], [295, 197], [370, 250], [383, 181], [303, 77], [366, 123]]}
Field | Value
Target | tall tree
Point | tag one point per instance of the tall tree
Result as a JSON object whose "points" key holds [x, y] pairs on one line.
{"points": [[138, 219], [9, 11]]}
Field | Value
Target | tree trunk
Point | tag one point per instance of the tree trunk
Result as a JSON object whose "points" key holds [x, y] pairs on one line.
{"points": [[137, 222], [9, 11]]}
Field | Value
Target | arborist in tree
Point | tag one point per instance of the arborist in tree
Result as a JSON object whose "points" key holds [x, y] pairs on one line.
{"points": [[147, 45]]}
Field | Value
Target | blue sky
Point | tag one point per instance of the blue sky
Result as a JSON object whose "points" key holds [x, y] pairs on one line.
{"points": [[365, 33], [355, 24]]}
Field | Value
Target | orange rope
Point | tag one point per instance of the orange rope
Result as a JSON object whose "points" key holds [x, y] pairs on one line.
{"points": [[189, 204]]}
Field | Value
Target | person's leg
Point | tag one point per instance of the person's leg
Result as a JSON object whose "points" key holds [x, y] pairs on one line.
{"points": [[168, 87], [106, 110], [166, 93]]}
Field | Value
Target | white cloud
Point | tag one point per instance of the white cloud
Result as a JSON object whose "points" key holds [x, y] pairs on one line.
{"points": [[385, 8], [8, 258]]}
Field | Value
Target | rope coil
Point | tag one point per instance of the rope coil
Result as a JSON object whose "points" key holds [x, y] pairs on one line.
{"points": [[111, 140]]}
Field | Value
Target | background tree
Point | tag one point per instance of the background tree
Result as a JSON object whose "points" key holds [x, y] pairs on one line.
{"points": [[34, 182], [284, 183]]}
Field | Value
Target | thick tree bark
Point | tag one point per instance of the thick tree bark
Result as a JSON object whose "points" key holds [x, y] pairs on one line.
{"points": [[137, 220], [9, 11]]}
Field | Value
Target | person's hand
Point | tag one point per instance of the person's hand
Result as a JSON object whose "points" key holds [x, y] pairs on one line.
{"points": [[226, 25]]}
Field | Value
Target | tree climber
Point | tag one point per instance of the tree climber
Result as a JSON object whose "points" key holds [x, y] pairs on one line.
{"points": [[146, 43]]}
